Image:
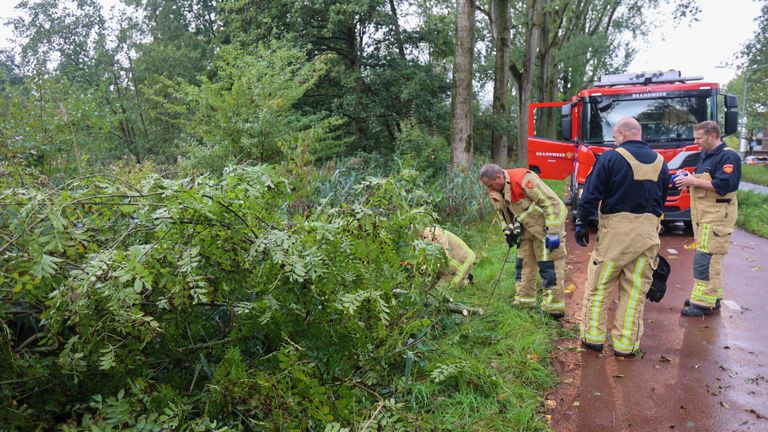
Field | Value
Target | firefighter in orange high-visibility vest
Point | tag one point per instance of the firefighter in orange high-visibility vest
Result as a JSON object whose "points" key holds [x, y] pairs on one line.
{"points": [[534, 218], [460, 256]]}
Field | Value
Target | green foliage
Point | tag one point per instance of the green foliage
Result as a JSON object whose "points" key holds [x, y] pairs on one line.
{"points": [[753, 212], [380, 71], [757, 174], [247, 112], [488, 372], [426, 153], [754, 57], [203, 283], [460, 198]]}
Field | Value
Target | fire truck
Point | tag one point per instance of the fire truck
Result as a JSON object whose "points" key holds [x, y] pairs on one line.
{"points": [[666, 104]]}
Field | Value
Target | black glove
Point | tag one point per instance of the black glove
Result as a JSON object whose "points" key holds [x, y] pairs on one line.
{"points": [[582, 233], [512, 234]]}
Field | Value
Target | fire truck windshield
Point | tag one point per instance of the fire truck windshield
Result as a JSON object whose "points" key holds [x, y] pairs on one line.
{"points": [[664, 120]]}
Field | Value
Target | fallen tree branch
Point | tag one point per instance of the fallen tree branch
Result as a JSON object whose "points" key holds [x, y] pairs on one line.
{"points": [[464, 310]]}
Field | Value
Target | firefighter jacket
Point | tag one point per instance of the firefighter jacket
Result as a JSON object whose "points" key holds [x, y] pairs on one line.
{"points": [[613, 187], [714, 213], [529, 201], [460, 256]]}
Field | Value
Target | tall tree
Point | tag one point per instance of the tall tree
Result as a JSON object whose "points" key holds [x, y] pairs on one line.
{"points": [[462, 152], [377, 77], [525, 75], [500, 11], [754, 67]]}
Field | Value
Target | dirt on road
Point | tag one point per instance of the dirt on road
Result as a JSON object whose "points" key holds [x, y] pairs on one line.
{"points": [[695, 374]]}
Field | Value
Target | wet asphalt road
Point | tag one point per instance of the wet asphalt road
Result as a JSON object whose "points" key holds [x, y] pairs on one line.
{"points": [[696, 374]]}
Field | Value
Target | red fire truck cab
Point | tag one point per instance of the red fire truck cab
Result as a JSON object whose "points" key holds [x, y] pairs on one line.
{"points": [[666, 104]]}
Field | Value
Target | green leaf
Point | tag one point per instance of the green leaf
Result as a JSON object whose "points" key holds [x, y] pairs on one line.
{"points": [[45, 266]]}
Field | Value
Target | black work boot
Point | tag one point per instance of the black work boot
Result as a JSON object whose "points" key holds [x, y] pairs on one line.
{"points": [[695, 311], [557, 314], [717, 303], [592, 346], [622, 354]]}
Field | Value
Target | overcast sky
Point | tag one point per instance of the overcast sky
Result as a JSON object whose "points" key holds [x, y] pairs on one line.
{"points": [[697, 48], [694, 49]]}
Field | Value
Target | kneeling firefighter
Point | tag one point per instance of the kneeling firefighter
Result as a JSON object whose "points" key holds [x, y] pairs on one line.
{"points": [[535, 221], [460, 256]]}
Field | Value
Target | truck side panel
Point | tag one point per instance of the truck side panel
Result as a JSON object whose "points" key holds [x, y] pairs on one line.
{"points": [[551, 159]]}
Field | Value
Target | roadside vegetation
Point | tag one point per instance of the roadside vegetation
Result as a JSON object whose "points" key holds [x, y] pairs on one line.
{"points": [[757, 174], [206, 208], [753, 212]]}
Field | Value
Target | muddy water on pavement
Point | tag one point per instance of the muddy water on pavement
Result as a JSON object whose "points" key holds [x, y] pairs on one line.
{"points": [[696, 374]]}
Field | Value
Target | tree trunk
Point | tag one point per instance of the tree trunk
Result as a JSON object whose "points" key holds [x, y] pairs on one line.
{"points": [[499, 134], [461, 102], [398, 32], [531, 46], [547, 80], [352, 36]]}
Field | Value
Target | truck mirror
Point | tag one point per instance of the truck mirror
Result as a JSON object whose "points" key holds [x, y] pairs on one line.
{"points": [[731, 121], [731, 101], [565, 121]]}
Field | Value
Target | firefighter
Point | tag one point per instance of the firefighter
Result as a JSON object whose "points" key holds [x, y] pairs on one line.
{"points": [[629, 186], [460, 256], [534, 218], [714, 209]]}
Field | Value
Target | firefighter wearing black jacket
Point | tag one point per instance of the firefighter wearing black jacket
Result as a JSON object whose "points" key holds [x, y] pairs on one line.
{"points": [[629, 186], [714, 209]]}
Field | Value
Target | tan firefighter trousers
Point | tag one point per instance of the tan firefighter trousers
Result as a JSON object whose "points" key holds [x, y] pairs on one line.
{"points": [[714, 218], [625, 251], [534, 259]]}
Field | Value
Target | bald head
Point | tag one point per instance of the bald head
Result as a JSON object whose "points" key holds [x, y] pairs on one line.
{"points": [[627, 129]]}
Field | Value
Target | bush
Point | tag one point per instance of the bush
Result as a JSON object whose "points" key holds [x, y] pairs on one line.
{"points": [[426, 153], [205, 303]]}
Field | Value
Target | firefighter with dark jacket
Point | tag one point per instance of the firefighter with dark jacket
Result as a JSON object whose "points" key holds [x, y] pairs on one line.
{"points": [[714, 209], [534, 218], [629, 186]]}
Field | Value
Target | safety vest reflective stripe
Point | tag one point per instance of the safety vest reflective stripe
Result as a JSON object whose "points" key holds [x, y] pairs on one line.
{"points": [[637, 286], [560, 305], [704, 240], [552, 218], [525, 299], [698, 289], [625, 348], [547, 302], [544, 250], [605, 276], [528, 211]]}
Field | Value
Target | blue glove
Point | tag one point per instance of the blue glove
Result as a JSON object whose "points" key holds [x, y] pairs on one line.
{"points": [[582, 233], [552, 241]]}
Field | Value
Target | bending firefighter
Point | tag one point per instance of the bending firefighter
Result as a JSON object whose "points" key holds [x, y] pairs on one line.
{"points": [[714, 209], [628, 185], [460, 256], [535, 220]]}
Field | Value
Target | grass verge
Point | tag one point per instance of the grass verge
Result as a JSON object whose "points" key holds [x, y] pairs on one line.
{"points": [[488, 372], [753, 212], [757, 174]]}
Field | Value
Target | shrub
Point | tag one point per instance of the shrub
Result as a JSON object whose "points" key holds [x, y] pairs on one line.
{"points": [[204, 303]]}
